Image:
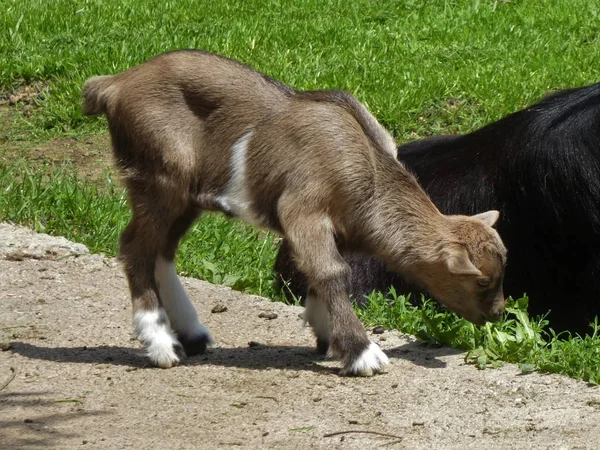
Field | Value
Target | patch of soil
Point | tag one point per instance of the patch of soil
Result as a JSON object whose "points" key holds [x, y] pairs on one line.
{"points": [[90, 155], [26, 94], [71, 377]]}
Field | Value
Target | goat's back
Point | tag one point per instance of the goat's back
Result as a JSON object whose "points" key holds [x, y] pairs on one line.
{"points": [[183, 76], [541, 168]]}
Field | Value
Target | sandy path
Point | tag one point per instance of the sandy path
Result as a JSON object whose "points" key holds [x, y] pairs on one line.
{"points": [[80, 381]]}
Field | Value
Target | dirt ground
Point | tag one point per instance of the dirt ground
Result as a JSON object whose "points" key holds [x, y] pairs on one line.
{"points": [[89, 155], [72, 377]]}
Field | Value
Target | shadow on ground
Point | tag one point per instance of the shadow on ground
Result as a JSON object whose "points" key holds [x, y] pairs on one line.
{"points": [[256, 357]]}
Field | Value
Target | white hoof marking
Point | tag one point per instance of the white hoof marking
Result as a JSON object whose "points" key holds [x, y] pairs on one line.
{"points": [[371, 361], [154, 331], [181, 311]]}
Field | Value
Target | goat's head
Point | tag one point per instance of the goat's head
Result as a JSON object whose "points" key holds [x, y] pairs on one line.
{"points": [[469, 269]]}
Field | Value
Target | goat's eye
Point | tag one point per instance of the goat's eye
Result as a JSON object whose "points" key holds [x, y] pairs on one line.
{"points": [[483, 282]]}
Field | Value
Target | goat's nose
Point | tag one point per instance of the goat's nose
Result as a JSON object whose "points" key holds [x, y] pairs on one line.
{"points": [[493, 315]]}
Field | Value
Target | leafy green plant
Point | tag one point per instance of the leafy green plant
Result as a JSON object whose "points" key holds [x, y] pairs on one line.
{"points": [[516, 338]]}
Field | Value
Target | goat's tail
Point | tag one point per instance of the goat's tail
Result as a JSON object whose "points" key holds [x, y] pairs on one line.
{"points": [[96, 95]]}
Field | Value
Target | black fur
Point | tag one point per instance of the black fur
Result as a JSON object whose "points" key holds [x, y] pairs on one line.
{"points": [[195, 345], [541, 168]]}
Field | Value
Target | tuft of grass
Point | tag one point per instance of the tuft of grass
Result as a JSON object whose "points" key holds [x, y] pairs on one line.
{"points": [[53, 200], [231, 253], [56, 201], [516, 338]]}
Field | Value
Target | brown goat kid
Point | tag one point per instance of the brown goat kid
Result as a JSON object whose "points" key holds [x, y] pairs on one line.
{"points": [[195, 131]]}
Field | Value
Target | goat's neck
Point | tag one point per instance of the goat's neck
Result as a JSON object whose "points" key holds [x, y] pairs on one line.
{"points": [[405, 228]]}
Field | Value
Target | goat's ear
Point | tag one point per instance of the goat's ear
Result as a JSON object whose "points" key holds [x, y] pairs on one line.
{"points": [[459, 263], [489, 217]]}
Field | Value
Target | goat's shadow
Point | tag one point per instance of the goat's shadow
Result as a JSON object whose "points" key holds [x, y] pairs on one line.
{"points": [[256, 357], [420, 353]]}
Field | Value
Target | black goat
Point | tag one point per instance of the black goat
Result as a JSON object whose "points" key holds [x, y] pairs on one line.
{"points": [[541, 168]]}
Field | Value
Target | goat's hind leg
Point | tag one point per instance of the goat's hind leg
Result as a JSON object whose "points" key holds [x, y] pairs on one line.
{"points": [[183, 316], [140, 245]]}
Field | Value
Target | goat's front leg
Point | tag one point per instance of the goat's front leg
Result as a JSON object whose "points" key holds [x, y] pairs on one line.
{"points": [[329, 310], [346, 335]]}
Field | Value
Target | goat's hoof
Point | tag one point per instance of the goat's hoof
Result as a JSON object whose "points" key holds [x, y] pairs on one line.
{"points": [[370, 362], [165, 356], [322, 346], [196, 345]]}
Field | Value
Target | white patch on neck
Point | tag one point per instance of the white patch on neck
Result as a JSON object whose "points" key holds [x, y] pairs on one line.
{"points": [[236, 199], [181, 311], [154, 331]]}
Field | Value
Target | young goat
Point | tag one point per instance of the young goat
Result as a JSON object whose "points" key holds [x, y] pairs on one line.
{"points": [[541, 166], [195, 131]]}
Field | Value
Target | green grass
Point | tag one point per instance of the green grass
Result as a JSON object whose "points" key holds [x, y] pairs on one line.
{"points": [[516, 338], [422, 67], [405, 59], [54, 200]]}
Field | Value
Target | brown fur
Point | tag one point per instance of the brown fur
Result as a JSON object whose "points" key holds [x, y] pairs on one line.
{"points": [[319, 169]]}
